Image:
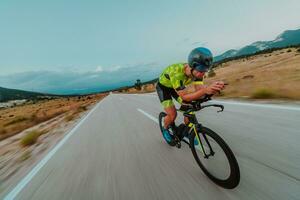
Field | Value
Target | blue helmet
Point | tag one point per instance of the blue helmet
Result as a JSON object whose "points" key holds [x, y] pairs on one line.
{"points": [[200, 59]]}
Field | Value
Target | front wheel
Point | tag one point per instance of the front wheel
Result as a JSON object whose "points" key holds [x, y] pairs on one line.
{"points": [[172, 141], [215, 158]]}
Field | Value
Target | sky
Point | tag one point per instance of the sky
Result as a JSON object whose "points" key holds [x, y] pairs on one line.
{"points": [[105, 43]]}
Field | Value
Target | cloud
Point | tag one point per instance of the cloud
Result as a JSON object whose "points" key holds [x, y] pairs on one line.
{"points": [[116, 68], [111, 69], [200, 43], [99, 69], [70, 82]]}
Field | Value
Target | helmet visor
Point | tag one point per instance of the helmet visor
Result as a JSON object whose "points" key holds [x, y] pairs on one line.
{"points": [[201, 68]]}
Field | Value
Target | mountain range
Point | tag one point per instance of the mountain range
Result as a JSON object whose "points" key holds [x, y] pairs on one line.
{"points": [[287, 38], [13, 94]]}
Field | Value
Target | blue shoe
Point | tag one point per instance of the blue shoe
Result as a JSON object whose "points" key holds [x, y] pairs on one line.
{"points": [[167, 135], [196, 141]]}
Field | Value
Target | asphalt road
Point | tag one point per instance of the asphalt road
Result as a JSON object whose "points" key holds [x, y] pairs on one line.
{"points": [[117, 152]]}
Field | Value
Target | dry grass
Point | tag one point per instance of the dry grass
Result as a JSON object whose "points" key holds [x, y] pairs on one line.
{"points": [[278, 73], [16, 119], [70, 117], [2, 130], [25, 156]]}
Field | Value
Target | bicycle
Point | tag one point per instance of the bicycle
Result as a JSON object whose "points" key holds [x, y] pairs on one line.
{"points": [[202, 144]]}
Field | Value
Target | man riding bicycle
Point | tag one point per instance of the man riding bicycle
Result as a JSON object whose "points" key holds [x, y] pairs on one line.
{"points": [[184, 82]]}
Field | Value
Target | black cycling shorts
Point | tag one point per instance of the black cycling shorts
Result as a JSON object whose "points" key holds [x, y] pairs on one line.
{"points": [[165, 95]]}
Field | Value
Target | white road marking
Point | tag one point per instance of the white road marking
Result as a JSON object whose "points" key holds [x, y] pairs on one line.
{"points": [[148, 115], [20, 186]]}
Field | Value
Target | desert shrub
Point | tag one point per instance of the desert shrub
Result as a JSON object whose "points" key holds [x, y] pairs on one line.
{"points": [[82, 108], [2, 130], [298, 50], [138, 84], [30, 138], [220, 94], [248, 77], [36, 119], [263, 93], [289, 50], [69, 117], [211, 73]]}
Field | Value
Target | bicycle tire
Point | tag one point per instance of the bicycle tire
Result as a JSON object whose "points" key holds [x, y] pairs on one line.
{"points": [[234, 178]]}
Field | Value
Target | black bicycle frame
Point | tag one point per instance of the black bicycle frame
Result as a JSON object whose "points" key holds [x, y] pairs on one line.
{"points": [[196, 127]]}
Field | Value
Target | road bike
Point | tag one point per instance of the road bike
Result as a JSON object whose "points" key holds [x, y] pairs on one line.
{"points": [[210, 151]]}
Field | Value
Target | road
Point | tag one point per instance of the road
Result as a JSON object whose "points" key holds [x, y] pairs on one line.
{"points": [[117, 152]]}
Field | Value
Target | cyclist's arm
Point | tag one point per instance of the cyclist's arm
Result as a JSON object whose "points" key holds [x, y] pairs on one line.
{"points": [[186, 96], [194, 86], [201, 91], [184, 92]]}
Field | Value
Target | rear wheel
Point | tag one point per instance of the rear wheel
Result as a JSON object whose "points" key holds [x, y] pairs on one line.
{"points": [[172, 141], [220, 164]]}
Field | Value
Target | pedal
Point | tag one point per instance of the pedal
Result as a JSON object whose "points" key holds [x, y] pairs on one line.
{"points": [[181, 131], [178, 142]]}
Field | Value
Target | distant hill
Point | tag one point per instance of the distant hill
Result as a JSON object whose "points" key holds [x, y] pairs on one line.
{"points": [[133, 85], [13, 94], [287, 38]]}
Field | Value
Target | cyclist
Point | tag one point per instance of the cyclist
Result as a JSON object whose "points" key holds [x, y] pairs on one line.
{"points": [[184, 82]]}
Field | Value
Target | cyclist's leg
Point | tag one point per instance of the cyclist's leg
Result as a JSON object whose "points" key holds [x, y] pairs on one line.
{"points": [[171, 116], [179, 100], [165, 98]]}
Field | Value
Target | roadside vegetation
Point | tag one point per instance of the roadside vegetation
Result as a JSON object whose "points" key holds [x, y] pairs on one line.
{"points": [[211, 73], [263, 93], [18, 118], [31, 138]]}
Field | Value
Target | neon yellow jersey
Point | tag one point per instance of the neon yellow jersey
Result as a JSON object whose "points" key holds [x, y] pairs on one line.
{"points": [[174, 77]]}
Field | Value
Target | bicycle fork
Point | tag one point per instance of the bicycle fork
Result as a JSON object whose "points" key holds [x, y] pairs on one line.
{"points": [[196, 129]]}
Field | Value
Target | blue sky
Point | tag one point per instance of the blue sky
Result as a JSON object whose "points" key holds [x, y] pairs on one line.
{"points": [[107, 37]]}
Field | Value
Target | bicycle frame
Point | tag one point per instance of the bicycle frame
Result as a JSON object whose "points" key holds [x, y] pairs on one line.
{"points": [[195, 126]]}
